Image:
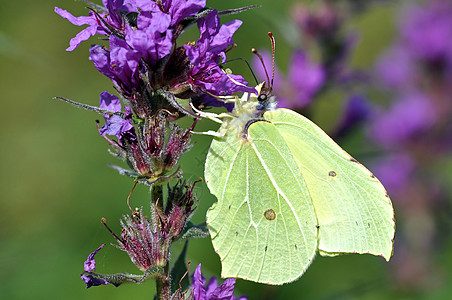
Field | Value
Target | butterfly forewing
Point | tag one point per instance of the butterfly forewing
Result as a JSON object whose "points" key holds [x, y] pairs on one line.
{"points": [[264, 226], [354, 212]]}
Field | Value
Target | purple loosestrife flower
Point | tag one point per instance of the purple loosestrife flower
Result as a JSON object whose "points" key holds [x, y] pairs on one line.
{"points": [[110, 20], [114, 124], [212, 291], [90, 266], [210, 50], [305, 79]]}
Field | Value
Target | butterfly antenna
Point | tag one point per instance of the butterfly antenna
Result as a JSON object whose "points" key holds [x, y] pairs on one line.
{"points": [[262, 62], [272, 38], [249, 67]]}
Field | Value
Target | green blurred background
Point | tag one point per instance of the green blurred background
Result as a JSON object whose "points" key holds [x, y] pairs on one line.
{"points": [[56, 185]]}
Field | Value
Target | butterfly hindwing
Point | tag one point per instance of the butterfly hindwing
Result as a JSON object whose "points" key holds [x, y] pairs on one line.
{"points": [[354, 211]]}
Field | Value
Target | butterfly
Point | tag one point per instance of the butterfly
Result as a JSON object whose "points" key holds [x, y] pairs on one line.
{"points": [[286, 191]]}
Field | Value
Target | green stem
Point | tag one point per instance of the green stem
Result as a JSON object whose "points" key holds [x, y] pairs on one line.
{"points": [[157, 195], [163, 284]]}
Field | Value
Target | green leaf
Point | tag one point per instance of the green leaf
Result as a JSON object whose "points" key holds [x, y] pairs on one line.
{"points": [[192, 231]]}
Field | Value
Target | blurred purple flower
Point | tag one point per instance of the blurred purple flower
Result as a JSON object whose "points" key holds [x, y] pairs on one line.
{"points": [[412, 113], [305, 79], [212, 291], [320, 22], [210, 50], [114, 124], [395, 171], [427, 29], [356, 111], [396, 68]]}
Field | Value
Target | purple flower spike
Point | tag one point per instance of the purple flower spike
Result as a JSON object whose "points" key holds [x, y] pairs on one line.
{"points": [[114, 125], [212, 291], [90, 263]]}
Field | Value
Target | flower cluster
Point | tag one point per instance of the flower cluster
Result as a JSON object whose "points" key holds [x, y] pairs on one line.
{"points": [[143, 60]]}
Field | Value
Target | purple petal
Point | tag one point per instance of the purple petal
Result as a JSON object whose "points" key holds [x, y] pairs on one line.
{"points": [[109, 102], [223, 39], [114, 125], [181, 9], [224, 291], [90, 264], [211, 286], [151, 38], [198, 288], [79, 21], [93, 281]]}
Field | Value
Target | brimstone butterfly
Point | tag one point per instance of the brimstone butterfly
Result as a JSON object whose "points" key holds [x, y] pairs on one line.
{"points": [[286, 190]]}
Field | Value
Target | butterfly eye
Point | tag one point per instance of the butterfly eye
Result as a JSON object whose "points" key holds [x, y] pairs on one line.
{"points": [[262, 97]]}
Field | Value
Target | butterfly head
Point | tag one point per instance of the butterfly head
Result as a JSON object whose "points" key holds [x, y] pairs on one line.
{"points": [[265, 98]]}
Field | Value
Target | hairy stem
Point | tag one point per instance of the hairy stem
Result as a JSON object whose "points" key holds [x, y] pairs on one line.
{"points": [[157, 195], [163, 284]]}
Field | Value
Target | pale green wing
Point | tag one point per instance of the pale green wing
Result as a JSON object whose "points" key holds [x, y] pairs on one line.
{"points": [[354, 211], [263, 226]]}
